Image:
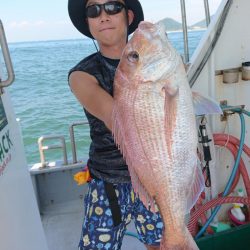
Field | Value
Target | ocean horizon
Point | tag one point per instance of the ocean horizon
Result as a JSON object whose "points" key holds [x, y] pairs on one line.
{"points": [[86, 38], [41, 96]]}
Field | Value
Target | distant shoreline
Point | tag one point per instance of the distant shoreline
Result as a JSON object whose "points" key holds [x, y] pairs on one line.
{"points": [[85, 38]]}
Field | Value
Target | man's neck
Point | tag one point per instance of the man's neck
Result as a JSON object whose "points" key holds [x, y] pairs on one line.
{"points": [[113, 52]]}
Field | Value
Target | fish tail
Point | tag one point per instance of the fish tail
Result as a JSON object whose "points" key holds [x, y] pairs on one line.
{"points": [[172, 241]]}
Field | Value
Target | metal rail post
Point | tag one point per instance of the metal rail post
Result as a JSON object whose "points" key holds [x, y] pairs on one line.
{"points": [[185, 34], [207, 12], [43, 148], [72, 138], [7, 59]]}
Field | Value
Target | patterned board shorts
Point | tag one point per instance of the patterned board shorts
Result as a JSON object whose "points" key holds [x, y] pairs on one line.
{"points": [[98, 231]]}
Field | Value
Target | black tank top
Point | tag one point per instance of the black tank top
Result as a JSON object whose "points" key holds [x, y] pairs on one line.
{"points": [[105, 160]]}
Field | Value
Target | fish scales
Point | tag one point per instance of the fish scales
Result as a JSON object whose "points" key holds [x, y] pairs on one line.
{"points": [[154, 126]]}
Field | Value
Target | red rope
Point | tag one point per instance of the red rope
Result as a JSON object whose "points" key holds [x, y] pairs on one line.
{"points": [[231, 143], [213, 203], [232, 139]]}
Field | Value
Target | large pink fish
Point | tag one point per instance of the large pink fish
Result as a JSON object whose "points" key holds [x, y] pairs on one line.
{"points": [[154, 125]]}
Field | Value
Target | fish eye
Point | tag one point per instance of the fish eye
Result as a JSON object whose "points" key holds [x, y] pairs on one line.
{"points": [[133, 56]]}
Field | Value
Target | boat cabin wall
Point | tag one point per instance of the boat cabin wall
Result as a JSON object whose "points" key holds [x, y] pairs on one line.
{"points": [[20, 226], [232, 49]]}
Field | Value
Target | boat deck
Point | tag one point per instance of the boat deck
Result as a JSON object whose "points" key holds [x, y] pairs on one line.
{"points": [[60, 202], [62, 225]]}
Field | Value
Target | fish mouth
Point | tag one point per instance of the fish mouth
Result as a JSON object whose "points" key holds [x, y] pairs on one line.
{"points": [[157, 29], [147, 30], [147, 26]]}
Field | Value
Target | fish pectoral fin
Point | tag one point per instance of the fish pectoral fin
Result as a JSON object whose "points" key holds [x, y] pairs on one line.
{"points": [[197, 187], [204, 105], [170, 113]]}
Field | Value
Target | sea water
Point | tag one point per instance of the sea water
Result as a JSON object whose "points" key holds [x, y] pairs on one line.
{"points": [[42, 98]]}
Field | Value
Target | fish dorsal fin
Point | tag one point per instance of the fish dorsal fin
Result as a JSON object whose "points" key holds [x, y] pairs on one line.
{"points": [[196, 188], [204, 105]]}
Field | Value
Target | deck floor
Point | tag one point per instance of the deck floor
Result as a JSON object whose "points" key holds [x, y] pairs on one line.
{"points": [[62, 225]]}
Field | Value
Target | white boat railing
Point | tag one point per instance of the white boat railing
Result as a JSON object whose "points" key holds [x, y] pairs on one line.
{"points": [[42, 148], [72, 138], [7, 59]]}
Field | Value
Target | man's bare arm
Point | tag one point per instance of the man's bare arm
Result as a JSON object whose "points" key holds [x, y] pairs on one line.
{"points": [[92, 97]]}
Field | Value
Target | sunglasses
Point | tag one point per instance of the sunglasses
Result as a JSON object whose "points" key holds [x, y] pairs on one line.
{"points": [[111, 8]]}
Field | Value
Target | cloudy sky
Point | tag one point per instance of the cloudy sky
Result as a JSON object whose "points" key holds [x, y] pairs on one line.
{"points": [[31, 20]]}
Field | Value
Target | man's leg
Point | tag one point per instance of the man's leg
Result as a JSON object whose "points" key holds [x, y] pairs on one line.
{"points": [[98, 231], [149, 225]]}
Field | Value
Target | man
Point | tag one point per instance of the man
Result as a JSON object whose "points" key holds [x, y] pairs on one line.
{"points": [[110, 203]]}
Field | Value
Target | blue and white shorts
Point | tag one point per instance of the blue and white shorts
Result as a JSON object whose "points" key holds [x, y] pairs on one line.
{"points": [[98, 231]]}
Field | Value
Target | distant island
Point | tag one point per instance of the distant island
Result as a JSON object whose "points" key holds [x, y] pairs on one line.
{"points": [[173, 25]]}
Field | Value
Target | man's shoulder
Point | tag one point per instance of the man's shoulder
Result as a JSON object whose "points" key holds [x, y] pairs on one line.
{"points": [[87, 63]]}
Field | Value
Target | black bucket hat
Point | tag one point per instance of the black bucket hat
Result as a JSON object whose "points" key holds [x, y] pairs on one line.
{"points": [[77, 15]]}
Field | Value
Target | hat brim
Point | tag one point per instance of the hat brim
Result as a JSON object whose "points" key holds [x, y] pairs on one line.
{"points": [[78, 17]]}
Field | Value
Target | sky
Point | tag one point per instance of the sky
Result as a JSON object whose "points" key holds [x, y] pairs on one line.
{"points": [[31, 20]]}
